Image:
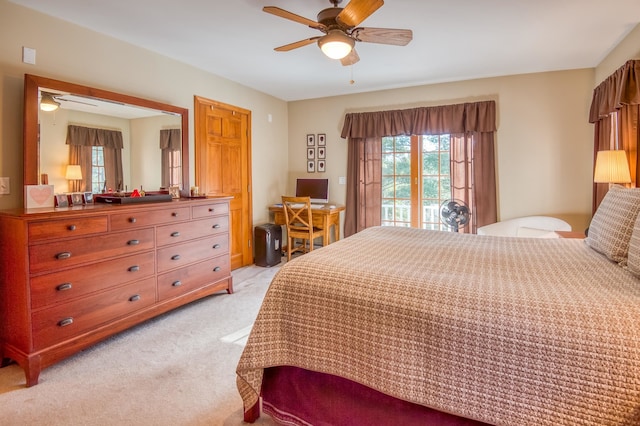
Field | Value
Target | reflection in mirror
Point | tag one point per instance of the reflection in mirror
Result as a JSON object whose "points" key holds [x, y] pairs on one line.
{"points": [[141, 128]]}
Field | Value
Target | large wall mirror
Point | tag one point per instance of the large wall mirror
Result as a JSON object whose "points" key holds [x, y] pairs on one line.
{"points": [[143, 125]]}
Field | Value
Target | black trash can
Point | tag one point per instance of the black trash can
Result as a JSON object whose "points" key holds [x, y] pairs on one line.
{"points": [[268, 244]]}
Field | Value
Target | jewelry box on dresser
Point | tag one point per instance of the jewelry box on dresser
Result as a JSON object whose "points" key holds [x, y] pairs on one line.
{"points": [[74, 276]]}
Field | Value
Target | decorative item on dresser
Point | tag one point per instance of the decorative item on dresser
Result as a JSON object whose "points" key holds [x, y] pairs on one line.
{"points": [[73, 277]]}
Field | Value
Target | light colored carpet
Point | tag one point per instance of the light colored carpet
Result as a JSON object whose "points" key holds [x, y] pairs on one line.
{"points": [[172, 370]]}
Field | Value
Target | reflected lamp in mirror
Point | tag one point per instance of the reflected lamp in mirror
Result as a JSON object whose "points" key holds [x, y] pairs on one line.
{"points": [[612, 167], [48, 103], [74, 172]]}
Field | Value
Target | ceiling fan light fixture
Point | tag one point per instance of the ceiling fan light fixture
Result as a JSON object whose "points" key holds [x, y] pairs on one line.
{"points": [[336, 44], [48, 103]]}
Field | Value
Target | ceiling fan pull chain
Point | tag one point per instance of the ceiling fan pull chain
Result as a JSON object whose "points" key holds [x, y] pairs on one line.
{"points": [[352, 81]]}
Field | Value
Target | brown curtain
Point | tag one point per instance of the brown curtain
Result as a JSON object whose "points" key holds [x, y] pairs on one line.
{"points": [[618, 94], [170, 140], [80, 140], [473, 122]]}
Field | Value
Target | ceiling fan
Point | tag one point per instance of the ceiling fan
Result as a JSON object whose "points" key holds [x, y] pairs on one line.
{"points": [[51, 101], [340, 26]]}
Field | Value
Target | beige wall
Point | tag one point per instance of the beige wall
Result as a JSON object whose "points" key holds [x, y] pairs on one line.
{"points": [[543, 142], [71, 53]]}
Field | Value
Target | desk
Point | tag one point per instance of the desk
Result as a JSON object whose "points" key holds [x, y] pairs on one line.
{"points": [[323, 218]]}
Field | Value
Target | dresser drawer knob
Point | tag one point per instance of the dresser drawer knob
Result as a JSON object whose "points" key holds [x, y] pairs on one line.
{"points": [[211, 209], [64, 286], [216, 246], [65, 322], [134, 298], [216, 226], [175, 257], [63, 255], [175, 234], [134, 268], [176, 283], [133, 242], [71, 227], [216, 269], [132, 220], [174, 214]]}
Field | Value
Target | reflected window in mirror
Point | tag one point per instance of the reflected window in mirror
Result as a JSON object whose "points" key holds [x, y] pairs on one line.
{"points": [[98, 175]]}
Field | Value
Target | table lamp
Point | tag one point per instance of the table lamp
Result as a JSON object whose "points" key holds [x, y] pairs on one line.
{"points": [[612, 167]]}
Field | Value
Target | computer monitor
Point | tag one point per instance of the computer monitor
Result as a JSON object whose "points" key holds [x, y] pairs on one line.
{"points": [[316, 189]]}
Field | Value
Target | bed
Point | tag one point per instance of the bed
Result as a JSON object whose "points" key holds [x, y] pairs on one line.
{"points": [[444, 328]]}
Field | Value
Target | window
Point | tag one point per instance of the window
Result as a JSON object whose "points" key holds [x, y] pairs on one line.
{"points": [[98, 175], [415, 180], [175, 168]]}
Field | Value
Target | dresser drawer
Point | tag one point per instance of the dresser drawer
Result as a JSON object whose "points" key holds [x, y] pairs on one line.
{"points": [[185, 231], [60, 287], [180, 255], [135, 219], [193, 277], [67, 227], [213, 209], [63, 254], [60, 322]]}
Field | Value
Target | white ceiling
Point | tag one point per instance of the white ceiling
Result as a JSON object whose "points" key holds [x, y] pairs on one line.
{"points": [[452, 39]]}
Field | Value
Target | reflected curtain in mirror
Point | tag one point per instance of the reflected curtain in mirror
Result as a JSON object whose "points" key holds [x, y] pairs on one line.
{"points": [[171, 144], [81, 140]]}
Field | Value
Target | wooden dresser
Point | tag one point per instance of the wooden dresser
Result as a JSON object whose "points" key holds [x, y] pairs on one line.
{"points": [[72, 277]]}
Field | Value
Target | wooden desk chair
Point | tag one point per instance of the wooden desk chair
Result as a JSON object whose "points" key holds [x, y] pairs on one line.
{"points": [[298, 219]]}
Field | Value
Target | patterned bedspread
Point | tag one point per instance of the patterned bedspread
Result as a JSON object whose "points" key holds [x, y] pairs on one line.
{"points": [[509, 331]]}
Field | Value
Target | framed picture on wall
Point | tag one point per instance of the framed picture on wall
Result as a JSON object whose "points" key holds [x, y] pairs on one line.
{"points": [[311, 166], [321, 166], [322, 153], [311, 153], [322, 139], [311, 140]]}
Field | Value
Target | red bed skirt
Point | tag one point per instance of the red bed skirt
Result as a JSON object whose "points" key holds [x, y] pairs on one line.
{"points": [[294, 396]]}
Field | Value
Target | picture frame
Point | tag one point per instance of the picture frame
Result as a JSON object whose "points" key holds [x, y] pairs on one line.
{"points": [[88, 198], [311, 153], [77, 198], [38, 196], [322, 153], [174, 190], [62, 200], [321, 166], [311, 140], [311, 166], [322, 139]]}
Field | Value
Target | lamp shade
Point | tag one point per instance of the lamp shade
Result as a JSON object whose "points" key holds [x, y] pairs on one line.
{"points": [[612, 167], [336, 44], [48, 103], [74, 172]]}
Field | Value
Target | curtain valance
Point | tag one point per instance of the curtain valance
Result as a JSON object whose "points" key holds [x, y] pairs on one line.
{"points": [[620, 88], [170, 139], [88, 136], [457, 118]]}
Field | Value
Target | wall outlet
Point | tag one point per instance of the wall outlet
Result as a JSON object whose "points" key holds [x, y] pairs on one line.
{"points": [[4, 186]]}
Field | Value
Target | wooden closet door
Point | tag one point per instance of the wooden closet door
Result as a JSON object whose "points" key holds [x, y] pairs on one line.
{"points": [[223, 168]]}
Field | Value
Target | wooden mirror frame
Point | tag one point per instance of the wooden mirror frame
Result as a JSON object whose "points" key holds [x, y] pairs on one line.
{"points": [[32, 83]]}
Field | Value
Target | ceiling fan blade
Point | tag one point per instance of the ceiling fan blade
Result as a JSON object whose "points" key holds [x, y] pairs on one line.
{"points": [[295, 45], [383, 35], [293, 17], [357, 11], [351, 58]]}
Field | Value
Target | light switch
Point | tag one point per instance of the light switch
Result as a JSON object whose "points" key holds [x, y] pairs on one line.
{"points": [[4, 186], [29, 55], [342, 180]]}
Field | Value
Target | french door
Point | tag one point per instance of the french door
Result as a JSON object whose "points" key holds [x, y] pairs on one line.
{"points": [[416, 180]]}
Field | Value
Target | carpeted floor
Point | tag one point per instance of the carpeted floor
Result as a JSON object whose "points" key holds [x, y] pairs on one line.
{"points": [[176, 369]]}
